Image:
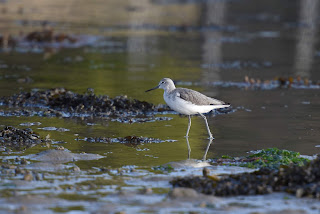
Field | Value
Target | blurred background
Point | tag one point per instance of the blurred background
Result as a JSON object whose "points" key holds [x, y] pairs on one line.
{"points": [[261, 56]]}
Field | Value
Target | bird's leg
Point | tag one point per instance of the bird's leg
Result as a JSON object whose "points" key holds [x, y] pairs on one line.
{"points": [[189, 125], [208, 129]]}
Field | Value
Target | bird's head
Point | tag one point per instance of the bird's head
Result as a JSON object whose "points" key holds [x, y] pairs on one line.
{"points": [[165, 84]]}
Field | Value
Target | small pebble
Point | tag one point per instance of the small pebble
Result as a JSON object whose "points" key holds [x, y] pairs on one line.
{"points": [[28, 176]]}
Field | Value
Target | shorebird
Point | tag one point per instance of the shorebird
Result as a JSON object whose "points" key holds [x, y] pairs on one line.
{"points": [[189, 102]]}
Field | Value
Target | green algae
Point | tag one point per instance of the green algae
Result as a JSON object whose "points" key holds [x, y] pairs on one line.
{"points": [[274, 158], [7, 193], [226, 157], [99, 181], [76, 197], [158, 190], [164, 168], [67, 209]]}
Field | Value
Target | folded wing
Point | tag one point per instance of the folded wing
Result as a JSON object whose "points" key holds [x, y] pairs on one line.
{"points": [[197, 98]]}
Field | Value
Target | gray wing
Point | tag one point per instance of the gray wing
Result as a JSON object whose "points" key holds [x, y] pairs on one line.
{"points": [[196, 97]]}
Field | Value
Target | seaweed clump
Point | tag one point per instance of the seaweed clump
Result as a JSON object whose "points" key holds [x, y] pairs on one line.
{"points": [[132, 141], [19, 139], [62, 102], [303, 181], [48, 35]]}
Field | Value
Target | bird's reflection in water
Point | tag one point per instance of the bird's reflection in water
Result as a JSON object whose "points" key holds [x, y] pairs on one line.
{"points": [[189, 149], [205, 153]]}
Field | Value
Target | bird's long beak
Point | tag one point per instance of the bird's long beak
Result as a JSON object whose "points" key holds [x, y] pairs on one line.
{"points": [[153, 88]]}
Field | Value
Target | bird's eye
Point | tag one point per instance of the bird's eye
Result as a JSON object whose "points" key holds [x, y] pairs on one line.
{"points": [[162, 83]]}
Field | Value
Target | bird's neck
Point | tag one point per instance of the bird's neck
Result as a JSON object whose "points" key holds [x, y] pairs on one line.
{"points": [[169, 88]]}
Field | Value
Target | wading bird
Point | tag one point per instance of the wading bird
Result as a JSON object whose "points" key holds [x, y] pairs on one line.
{"points": [[188, 102]]}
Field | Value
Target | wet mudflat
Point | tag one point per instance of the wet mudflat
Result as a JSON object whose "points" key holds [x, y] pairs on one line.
{"points": [[78, 133]]}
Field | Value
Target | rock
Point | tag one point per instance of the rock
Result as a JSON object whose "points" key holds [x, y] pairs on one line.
{"points": [[62, 156], [76, 169], [181, 192], [299, 192]]}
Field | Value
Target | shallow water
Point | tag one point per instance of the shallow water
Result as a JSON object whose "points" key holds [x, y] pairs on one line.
{"points": [[204, 45], [261, 44]]}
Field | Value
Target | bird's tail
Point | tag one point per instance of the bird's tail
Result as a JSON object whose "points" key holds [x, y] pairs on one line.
{"points": [[220, 106]]}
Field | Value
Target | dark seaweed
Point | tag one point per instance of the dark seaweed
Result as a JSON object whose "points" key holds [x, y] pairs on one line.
{"points": [[303, 181]]}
